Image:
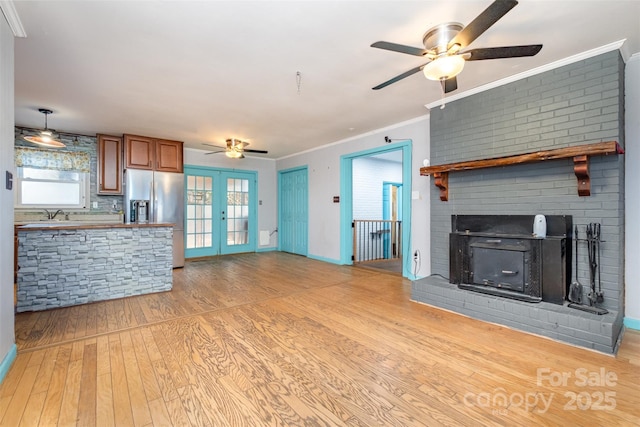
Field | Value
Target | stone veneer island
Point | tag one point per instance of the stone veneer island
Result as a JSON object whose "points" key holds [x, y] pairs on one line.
{"points": [[69, 264]]}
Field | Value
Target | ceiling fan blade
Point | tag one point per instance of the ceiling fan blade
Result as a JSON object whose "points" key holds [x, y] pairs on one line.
{"points": [[214, 152], [501, 52], [450, 85], [249, 150], [400, 48], [399, 77], [482, 22], [215, 146]]}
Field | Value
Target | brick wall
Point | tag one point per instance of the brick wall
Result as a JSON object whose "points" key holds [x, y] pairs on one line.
{"points": [[369, 175], [576, 104]]}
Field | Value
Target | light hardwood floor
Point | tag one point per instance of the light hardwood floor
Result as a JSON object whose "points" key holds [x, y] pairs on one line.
{"points": [[274, 339]]}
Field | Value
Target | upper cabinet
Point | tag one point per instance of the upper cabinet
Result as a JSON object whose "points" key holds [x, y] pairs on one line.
{"points": [[139, 152], [168, 155], [109, 164], [142, 152]]}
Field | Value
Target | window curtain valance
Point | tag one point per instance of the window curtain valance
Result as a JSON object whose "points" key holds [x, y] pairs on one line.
{"points": [[57, 160]]}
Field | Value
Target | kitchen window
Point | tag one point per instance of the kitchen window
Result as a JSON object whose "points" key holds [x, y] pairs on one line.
{"points": [[46, 179]]}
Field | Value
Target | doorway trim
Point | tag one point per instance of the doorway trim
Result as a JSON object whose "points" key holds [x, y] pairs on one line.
{"points": [[346, 201]]}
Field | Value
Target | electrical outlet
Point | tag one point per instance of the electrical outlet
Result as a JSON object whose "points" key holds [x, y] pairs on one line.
{"points": [[94, 205]]}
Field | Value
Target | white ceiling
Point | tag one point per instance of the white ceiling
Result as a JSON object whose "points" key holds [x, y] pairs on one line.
{"points": [[205, 71]]}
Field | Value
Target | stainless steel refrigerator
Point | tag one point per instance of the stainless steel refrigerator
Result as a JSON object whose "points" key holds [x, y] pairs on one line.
{"points": [[165, 193]]}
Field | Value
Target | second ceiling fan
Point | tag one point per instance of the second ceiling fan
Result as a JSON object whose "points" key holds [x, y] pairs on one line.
{"points": [[235, 149], [444, 44]]}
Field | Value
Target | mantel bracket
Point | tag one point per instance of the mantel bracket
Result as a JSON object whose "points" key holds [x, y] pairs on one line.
{"points": [[441, 180], [581, 169]]}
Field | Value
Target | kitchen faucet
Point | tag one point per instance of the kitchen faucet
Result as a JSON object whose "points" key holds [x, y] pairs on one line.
{"points": [[53, 215]]}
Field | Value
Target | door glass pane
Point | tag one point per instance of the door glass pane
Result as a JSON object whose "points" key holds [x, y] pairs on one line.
{"points": [[237, 211], [199, 211]]}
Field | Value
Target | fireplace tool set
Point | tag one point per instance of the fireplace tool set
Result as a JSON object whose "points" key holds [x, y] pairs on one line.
{"points": [[593, 232]]}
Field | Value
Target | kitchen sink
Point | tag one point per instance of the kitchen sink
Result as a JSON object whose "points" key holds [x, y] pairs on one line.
{"points": [[47, 223]]}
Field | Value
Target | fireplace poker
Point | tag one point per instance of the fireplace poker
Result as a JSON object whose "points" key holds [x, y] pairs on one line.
{"points": [[599, 294], [591, 247], [575, 291]]}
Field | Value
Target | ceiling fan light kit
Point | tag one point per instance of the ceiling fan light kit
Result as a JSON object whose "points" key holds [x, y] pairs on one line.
{"points": [[235, 149], [45, 137], [444, 67], [234, 154], [444, 44]]}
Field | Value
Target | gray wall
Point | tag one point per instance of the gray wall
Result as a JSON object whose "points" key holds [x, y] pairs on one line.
{"points": [[576, 104], [632, 196], [324, 183], [7, 337]]}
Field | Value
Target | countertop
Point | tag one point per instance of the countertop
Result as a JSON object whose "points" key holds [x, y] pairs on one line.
{"points": [[74, 225]]}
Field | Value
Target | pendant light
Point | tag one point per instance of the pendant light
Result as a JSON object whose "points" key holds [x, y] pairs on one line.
{"points": [[45, 137]]}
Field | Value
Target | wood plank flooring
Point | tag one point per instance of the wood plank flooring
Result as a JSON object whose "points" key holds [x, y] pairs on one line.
{"points": [[273, 339]]}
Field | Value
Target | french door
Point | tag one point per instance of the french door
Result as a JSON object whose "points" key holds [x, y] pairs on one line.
{"points": [[220, 212]]}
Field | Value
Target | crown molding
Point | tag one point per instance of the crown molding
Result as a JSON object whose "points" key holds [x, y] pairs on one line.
{"points": [[11, 15], [551, 66], [361, 135]]}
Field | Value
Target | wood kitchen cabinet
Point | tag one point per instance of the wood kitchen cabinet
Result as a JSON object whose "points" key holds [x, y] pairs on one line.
{"points": [[142, 152], [168, 156], [110, 168], [139, 152]]}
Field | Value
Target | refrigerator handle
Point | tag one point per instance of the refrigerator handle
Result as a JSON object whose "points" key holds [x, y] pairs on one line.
{"points": [[154, 200]]}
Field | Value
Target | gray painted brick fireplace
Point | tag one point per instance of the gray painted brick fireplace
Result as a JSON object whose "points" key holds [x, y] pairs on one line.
{"points": [[576, 104]]}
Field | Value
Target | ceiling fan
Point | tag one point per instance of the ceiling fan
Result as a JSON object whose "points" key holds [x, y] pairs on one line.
{"points": [[235, 149], [443, 46]]}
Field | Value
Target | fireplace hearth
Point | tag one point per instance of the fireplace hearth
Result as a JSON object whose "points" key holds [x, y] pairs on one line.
{"points": [[499, 255]]}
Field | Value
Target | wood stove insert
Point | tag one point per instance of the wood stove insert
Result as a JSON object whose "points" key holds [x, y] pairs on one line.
{"points": [[499, 255]]}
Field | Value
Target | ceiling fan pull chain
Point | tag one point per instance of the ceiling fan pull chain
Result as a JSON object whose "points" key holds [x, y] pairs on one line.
{"points": [[443, 94], [298, 80]]}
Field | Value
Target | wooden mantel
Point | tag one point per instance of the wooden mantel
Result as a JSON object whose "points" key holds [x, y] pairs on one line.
{"points": [[579, 153]]}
